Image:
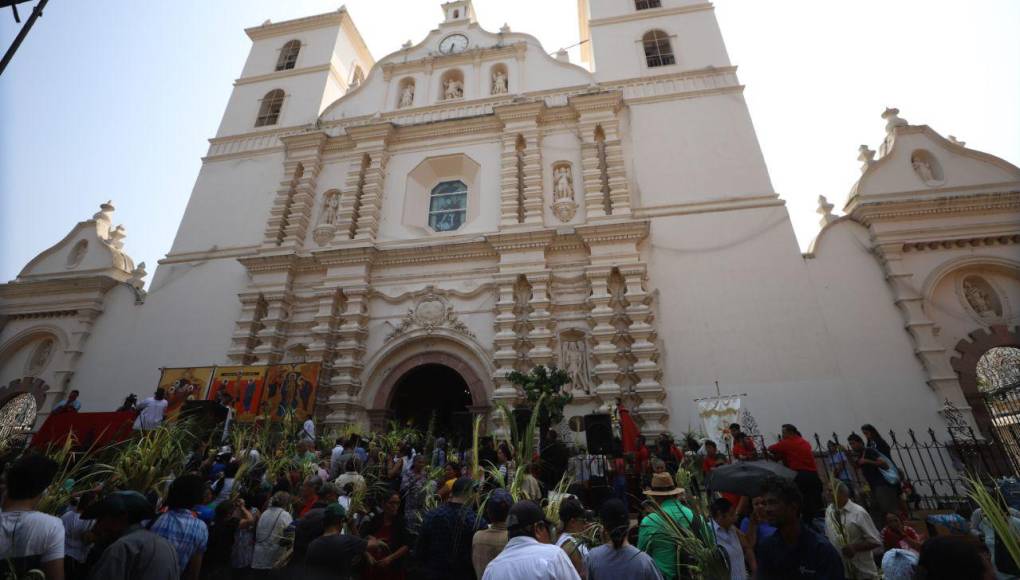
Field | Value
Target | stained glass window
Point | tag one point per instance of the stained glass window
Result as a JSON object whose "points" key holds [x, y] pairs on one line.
{"points": [[448, 206]]}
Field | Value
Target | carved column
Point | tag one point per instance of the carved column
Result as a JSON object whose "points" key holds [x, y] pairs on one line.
{"points": [[603, 176], [521, 196], [542, 324], [346, 217], [324, 333], [291, 213], [653, 414], [371, 140], [345, 401], [245, 337], [273, 335], [505, 341], [603, 334], [941, 376]]}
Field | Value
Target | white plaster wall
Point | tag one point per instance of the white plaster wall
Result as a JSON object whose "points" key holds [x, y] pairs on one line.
{"points": [[736, 304], [619, 54], [230, 204], [696, 150], [187, 320]]}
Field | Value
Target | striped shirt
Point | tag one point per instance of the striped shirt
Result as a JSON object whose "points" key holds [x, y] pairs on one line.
{"points": [[185, 532]]}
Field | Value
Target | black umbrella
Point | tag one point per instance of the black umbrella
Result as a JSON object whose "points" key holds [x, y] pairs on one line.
{"points": [[746, 477]]}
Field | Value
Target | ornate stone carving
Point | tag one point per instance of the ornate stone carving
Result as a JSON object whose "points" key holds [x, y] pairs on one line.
{"points": [[40, 357], [563, 205], [926, 167], [866, 156], [825, 210], [500, 83], [77, 253], [453, 89], [326, 229], [981, 297], [406, 96], [574, 354], [431, 311]]}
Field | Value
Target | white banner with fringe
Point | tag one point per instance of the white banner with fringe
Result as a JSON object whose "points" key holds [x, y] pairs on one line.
{"points": [[717, 414]]}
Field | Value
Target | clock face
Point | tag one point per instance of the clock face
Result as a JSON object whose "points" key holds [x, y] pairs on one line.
{"points": [[453, 43]]}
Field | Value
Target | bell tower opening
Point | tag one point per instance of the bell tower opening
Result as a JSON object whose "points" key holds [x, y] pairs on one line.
{"points": [[431, 389]]}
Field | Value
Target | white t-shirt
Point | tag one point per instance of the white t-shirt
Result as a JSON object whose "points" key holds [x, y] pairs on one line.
{"points": [[268, 533], [308, 430], [151, 414], [31, 534], [74, 530]]}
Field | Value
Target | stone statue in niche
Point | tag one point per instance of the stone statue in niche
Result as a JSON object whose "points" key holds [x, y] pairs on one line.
{"points": [[407, 95], [453, 89], [563, 192], [563, 186], [500, 83], [330, 207], [923, 169], [40, 356], [77, 253], [574, 354], [980, 297]]}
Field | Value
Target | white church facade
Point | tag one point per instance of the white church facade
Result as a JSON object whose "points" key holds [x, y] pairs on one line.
{"points": [[470, 205]]}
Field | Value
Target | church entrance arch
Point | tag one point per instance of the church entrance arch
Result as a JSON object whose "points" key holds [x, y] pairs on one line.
{"points": [[426, 383]]}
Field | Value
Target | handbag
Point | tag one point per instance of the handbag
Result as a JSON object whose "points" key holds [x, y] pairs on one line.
{"points": [[891, 474]]}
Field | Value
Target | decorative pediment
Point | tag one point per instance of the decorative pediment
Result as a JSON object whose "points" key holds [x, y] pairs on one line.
{"points": [[431, 311], [918, 163], [93, 247]]}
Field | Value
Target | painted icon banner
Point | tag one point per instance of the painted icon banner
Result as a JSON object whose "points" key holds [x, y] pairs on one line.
{"points": [[184, 384], [290, 388], [244, 385]]}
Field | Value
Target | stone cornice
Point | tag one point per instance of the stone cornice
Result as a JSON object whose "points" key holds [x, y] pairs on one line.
{"points": [[521, 240], [868, 211], [427, 63], [522, 111], [597, 102], [297, 25], [436, 253], [951, 243], [282, 74], [345, 256], [650, 13], [456, 127], [625, 230], [311, 139], [373, 132], [52, 286], [269, 262]]}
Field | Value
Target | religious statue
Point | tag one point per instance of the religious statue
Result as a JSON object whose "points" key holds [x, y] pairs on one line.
{"points": [[453, 89], [563, 186], [407, 96], [40, 357], [500, 85], [575, 362], [923, 168], [979, 299], [330, 206]]}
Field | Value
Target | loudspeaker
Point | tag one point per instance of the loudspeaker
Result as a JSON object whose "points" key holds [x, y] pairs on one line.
{"points": [[598, 434], [521, 419]]}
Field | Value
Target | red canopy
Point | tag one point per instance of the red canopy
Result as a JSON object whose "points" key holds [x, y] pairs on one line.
{"points": [[90, 429]]}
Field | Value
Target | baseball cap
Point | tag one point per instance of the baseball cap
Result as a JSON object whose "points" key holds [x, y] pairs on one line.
{"points": [[523, 514], [131, 503], [335, 513]]}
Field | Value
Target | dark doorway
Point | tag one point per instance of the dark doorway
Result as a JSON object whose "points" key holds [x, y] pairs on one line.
{"points": [[432, 389]]}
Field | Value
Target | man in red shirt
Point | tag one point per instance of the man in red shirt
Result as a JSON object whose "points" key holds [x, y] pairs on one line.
{"points": [[795, 452], [642, 455]]}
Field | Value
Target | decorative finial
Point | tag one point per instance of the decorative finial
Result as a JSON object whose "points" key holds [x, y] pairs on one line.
{"points": [[955, 141], [892, 119], [825, 210], [562, 55], [104, 211], [866, 157], [505, 29], [407, 44], [117, 236]]}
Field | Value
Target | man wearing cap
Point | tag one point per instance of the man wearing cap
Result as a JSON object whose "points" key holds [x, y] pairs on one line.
{"points": [[335, 555], [529, 553], [444, 543], [132, 552], [654, 537]]}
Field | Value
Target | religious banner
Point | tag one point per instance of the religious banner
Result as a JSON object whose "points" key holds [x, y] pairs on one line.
{"points": [[290, 388], [244, 386], [184, 384], [717, 413]]}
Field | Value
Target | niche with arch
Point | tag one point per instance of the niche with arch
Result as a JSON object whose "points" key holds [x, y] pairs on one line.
{"points": [[77, 253], [451, 86], [405, 93], [927, 167], [499, 79]]}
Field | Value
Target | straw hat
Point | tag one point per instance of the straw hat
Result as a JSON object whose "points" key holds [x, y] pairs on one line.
{"points": [[662, 484]]}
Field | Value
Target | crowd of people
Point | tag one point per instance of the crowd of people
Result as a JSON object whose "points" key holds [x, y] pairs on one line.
{"points": [[359, 507]]}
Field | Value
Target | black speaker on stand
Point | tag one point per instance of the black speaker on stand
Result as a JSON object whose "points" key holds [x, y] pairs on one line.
{"points": [[598, 434]]}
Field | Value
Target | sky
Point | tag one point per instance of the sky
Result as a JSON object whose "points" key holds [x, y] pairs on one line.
{"points": [[116, 99]]}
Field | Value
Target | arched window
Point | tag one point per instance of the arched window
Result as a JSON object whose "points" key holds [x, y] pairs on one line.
{"points": [[646, 4], [658, 50], [288, 55], [269, 111], [448, 206]]}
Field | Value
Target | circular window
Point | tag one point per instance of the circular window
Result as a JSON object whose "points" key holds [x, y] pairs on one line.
{"points": [[448, 206], [17, 416]]}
